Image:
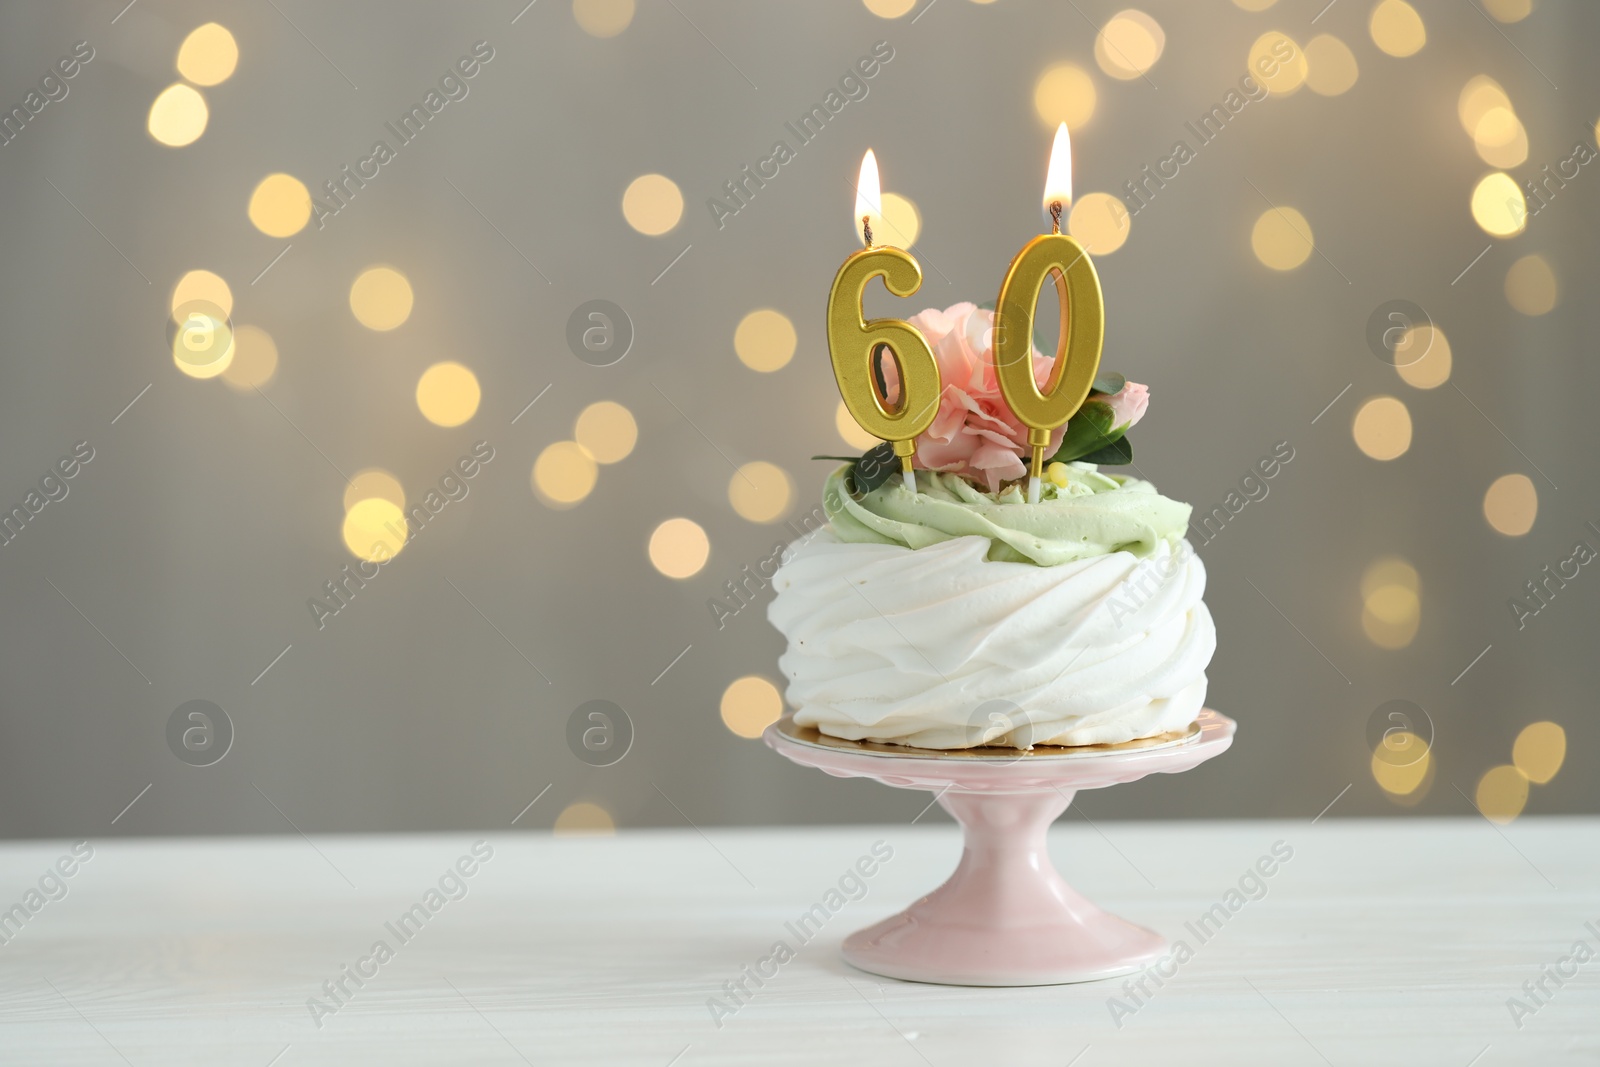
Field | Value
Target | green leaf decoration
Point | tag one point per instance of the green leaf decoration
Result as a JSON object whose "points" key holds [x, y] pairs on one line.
{"points": [[874, 468], [1090, 430], [1109, 382], [1116, 454], [987, 305], [841, 459]]}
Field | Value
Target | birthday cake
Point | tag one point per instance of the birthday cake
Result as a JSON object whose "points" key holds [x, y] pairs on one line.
{"points": [[962, 614]]}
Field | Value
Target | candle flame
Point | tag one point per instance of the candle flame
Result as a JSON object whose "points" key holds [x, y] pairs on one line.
{"points": [[869, 199], [1058, 179]]}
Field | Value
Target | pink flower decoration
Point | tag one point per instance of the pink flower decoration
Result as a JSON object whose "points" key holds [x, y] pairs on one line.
{"points": [[974, 434], [1128, 404]]}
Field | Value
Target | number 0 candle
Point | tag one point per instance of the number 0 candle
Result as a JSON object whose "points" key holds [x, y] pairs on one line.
{"points": [[1082, 333], [855, 342]]}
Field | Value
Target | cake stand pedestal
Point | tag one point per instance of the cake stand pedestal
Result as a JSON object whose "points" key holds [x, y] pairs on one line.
{"points": [[1005, 917]]}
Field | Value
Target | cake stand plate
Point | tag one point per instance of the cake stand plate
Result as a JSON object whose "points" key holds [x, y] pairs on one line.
{"points": [[1005, 917]]}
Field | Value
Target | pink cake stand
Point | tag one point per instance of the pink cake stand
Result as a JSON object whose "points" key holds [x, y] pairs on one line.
{"points": [[1005, 917]]}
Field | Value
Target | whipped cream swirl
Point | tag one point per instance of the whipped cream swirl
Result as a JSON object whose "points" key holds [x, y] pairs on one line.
{"points": [[941, 647]]}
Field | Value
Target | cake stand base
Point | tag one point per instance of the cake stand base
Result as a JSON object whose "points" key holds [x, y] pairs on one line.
{"points": [[1005, 917]]}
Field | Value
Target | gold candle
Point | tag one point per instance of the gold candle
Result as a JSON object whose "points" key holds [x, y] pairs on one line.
{"points": [[854, 341], [1082, 334]]}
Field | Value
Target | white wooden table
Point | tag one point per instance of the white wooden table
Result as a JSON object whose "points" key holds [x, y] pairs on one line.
{"points": [[1377, 942]]}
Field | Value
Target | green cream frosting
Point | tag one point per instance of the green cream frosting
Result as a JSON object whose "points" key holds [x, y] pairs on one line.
{"points": [[1094, 514]]}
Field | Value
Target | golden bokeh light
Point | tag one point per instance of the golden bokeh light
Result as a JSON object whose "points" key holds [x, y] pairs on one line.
{"points": [[1281, 238], [1332, 67], [889, 9], [750, 704], [850, 430], [374, 529], [1502, 793], [1404, 763], [255, 359], [1539, 751], [1253, 5], [1422, 357], [901, 221], [448, 394], [280, 206], [1511, 504], [1389, 570], [564, 474], [652, 204], [1478, 97], [1498, 205], [679, 548], [381, 298], [1382, 428], [1129, 44], [603, 18], [1064, 93], [1100, 222], [374, 483], [607, 431], [208, 55], [202, 285], [1390, 616], [765, 340], [584, 819], [760, 491], [1500, 139], [178, 116], [1397, 28], [1279, 77], [202, 345], [1531, 286], [1509, 10]]}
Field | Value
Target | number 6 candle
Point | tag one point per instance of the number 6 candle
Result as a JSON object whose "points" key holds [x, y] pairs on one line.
{"points": [[1082, 321], [854, 342]]}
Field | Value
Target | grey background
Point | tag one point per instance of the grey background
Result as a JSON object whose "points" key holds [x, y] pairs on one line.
{"points": [[206, 520]]}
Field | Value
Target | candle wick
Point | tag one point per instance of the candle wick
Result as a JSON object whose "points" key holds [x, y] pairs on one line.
{"points": [[866, 229], [1055, 216]]}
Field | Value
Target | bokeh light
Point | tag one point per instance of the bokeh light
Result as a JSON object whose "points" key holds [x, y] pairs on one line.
{"points": [[374, 529], [1478, 97], [1531, 285], [1509, 10], [1498, 205], [448, 394], [178, 116], [202, 285], [584, 819], [202, 345], [901, 221], [889, 9], [1064, 93], [603, 18], [280, 206], [374, 483], [1397, 28], [208, 55], [1511, 504], [1100, 222], [1403, 765], [1500, 138], [1391, 615], [607, 431], [255, 359], [1279, 77], [764, 340], [1422, 357], [1332, 67], [1502, 793], [760, 491], [652, 204], [564, 474], [1129, 44], [381, 298], [850, 430], [679, 548], [751, 704], [1539, 751], [1253, 5], [1382, 428], [1281, 238]]}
